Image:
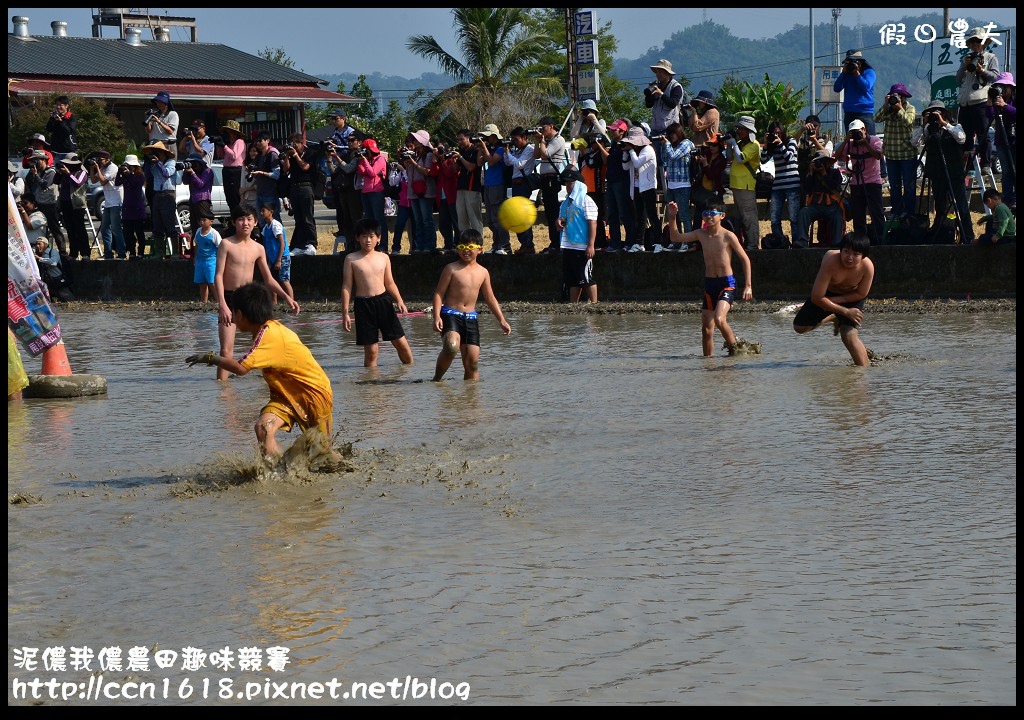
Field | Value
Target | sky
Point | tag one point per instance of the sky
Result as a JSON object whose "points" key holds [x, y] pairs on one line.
{"points": [[365, 41]]}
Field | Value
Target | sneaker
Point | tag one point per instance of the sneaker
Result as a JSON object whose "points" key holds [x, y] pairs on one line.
{"points": [[658, 249], [636, 248], [549, 250], [609, 249], [524, 250], [683, 247], [499, 251]]}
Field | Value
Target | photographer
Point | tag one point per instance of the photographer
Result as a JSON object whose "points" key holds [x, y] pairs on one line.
{"points": [[678, 150], [41, 182], [103, 171], [14, 181], [347, 186], [781, 149], [200, 180], [494, 192], [36, 143], [1002, 113], [296, 166], [823, 187], [342, 132], [235, 157], [664, 97], [372, 167], [705, 118], [196, 142], [862, 152], [422, 168], [161, 122], [447, 194], [266, 173], [73, 180], [552, 154], [132, 181], [857, 83], [470, 157], [976, 73], [898, 116], [61, 127], [161, 171], [944, 168]]}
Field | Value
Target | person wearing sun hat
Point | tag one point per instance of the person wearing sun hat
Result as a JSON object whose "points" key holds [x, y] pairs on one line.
{"points": [[745, 153], [233, 160], [73, 181], [898, 116], [618, 188], [944, 169], [857, 83], [1002, 113], [161, 170], [664, 97], [162, 125], [976, 73], [641, 160], [132, 182], [705, 119]]}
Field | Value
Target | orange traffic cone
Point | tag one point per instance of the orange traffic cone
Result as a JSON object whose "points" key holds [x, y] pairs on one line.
{"points": [[55, 360]]}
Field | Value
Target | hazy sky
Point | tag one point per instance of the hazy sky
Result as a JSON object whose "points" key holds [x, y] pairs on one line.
{"points": [[364, 41]]}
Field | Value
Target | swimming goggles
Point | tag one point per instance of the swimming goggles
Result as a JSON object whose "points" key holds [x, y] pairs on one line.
{"points": [[711, 213], [468, 246]]}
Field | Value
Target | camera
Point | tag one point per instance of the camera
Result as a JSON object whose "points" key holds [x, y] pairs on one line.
{"points": [[652, 85], [894, 100], [188, 132], [57, 116], [408, 154], [180, 166], [857, 135], [850, 66], [994, 92], [474, 138], [249, 170], [150, 116], [727, 136], [361, 152]]}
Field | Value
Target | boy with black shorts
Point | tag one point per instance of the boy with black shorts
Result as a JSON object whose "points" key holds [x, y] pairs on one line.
{"points": [[455, 317], [843, 283], [718, 245], [367, 276], [577, 220]]}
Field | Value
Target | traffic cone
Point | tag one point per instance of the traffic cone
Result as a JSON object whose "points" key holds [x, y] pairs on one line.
{"points": [[55, 360]]}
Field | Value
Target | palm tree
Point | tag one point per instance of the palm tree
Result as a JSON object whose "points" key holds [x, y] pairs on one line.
{"points": [[496, 45]]}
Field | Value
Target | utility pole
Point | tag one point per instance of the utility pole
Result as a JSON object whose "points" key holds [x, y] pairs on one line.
{"points": [[570, 56], [836, 12], [810, 22]]}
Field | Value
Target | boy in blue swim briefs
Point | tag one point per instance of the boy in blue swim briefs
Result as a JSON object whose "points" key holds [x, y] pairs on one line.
{"points": [[461, 283], [718, 245]]}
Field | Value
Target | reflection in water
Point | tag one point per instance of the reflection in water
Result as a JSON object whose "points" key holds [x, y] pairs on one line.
{"points": [[605, 517]]}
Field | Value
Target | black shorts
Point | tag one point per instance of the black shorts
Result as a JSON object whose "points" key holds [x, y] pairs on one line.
{"points": [[467, 326], [810, 314], [375, 319], [577, 268]]}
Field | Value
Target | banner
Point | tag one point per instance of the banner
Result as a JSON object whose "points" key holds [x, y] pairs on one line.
{"points": [[30, 315]]}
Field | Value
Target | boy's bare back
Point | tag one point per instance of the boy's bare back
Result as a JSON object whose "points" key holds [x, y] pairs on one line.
{"points": [[365, 274], [464, 284]]}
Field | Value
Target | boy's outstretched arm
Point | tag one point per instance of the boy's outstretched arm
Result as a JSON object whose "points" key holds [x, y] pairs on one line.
{"points": [[229, 364], [492, 303]]}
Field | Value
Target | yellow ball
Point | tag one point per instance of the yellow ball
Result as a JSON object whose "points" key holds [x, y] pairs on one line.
{"points": [[517, 214]]}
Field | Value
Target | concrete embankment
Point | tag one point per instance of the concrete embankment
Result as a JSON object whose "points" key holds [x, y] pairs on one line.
{"points": [[900, 272]]}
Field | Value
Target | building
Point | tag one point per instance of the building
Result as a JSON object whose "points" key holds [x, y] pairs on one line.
{"points": [[206, 81]]}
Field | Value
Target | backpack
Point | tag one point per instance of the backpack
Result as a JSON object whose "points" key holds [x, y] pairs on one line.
{"points": [[318, 177], [771, 241]]}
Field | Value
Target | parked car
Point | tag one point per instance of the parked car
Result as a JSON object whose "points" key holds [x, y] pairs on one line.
{"points": [[218, 199]]}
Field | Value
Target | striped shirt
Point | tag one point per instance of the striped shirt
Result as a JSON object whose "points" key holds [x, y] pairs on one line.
{"points": [[786, 173]]}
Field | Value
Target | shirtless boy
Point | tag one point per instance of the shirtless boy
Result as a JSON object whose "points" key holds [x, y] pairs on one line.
{"points": [[718, 245], [461, 283], [843, 283], [238, 256], [367, 276]]}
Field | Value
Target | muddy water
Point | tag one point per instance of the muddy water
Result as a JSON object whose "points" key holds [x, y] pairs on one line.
{"points": [[606, 517]]}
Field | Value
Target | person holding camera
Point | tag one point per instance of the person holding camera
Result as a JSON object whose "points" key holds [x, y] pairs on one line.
{"points": [[898, 116], [678, 151], [36, 143], [447, 197], [862, 153], [823, 187], [781, 148], [976, 73], [299, 171], [1002, 114], [15, 182], [857, 83], [591, 134], [195, 141], [552, 153], [520, 158], [41, 181], [51, 267], [347, 186], [809, 143], [421, 167], [944, 169], [161, 122], [132, 182], [745, 154], [103, 171], [618, 187], [705, 118], [664, 97], [470, 157], [267, 172], [235, 158], [161, 169], [200, 179], [73, 181], [493, 190], [641, 159], [372, 167], [61, 127]]}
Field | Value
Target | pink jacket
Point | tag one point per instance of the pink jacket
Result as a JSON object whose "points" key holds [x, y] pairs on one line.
{"points": [[373, 173]]}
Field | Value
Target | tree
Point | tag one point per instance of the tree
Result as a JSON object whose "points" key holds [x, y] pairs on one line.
{"points": [[277, 55], [767, 102], [497, 45]]}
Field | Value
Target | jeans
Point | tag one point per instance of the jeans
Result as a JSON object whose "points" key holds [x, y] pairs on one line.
{"points": [[903, 186], [620, 214], [791, 196], [867, 118], [424, 233], [681, 197], [112, 232], [831, 214]]}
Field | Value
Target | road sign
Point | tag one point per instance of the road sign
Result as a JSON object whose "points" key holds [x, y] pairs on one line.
{"points": [[586, 52], [586, 23], [589, 84], [827, 75]]}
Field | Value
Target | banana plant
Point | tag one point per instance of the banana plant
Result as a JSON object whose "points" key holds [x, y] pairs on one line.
{"points": [[765, 102]]}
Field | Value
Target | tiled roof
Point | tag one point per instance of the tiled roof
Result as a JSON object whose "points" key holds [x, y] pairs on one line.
{"points": [[80, 57], [179, 91]]}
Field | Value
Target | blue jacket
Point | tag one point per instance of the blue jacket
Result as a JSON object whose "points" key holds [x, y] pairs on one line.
{"points": [[859, 90]]}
